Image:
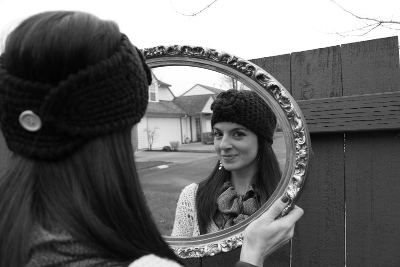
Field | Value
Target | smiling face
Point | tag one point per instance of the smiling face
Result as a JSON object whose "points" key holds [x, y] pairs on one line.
{"points": [[236, 147]]}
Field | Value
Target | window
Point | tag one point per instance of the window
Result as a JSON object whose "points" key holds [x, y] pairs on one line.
{"points": [[152, 92]]}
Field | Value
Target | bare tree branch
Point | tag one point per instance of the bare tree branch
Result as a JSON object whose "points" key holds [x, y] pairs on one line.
{"points": [[193, 14], [370, 24]]}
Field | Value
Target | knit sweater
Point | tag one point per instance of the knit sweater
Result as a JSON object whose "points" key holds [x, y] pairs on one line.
{"points": [[186, 224], [59, 248]]}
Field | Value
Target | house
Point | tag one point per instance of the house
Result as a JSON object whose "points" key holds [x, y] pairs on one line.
{"points": [[162, 115], [197, 103], [200, 89], [186, 118]]}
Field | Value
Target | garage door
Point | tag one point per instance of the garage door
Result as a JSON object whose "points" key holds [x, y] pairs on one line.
{"points": [[169, 129]]}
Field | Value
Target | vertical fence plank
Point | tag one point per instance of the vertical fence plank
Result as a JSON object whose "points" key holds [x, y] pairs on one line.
{"points": [[372, 159], [277, 66], [227, 259], [371, 66], [280, 258], [193, 262], [372, 189], [316, 73], [319, 235]]}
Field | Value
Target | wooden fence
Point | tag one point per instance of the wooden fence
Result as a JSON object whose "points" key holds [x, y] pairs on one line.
{"points": [[350, 96]]}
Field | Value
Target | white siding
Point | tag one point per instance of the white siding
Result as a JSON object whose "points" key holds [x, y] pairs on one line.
{"points": [[186, 128], [198, 90], [194, 136], [207, 106], [142, 136], [164, 94], [169, 129], [208, 124]]}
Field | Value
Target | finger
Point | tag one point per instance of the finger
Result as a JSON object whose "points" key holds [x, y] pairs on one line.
{"points": [[293, 216], [276, 208]]}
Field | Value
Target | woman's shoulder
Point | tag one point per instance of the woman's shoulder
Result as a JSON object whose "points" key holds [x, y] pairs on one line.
{"points": [[190, 188], [189, 192], [153, 260]]}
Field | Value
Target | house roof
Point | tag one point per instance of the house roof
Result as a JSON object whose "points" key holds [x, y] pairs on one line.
{"points": [[164, 107], [163, 83], [159, 81], [212, 89], [193, 104]]}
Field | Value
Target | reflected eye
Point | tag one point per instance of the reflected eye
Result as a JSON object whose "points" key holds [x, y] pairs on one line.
{"points": [[239, 134], [217, 134]]}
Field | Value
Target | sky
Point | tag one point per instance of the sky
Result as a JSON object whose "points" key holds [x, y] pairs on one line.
{"points": [[248, 29]]}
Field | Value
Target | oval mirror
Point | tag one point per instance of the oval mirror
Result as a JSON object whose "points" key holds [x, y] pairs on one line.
{"points": [[182, 123], [180, 110]]}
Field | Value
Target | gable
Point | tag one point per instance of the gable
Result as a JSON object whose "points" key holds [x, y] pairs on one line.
{"points": [[192, 104], [207, 106], [164, 93], [200, 89]]}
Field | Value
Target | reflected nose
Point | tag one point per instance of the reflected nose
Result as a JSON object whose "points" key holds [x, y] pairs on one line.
{"points": [[225, 143]]}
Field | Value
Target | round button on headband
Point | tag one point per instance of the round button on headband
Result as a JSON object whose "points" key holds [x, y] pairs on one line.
{"points": [[30, 121]]}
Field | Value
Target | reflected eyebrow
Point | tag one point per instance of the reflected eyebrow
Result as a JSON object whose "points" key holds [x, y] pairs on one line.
{"points": [[234, 129]]}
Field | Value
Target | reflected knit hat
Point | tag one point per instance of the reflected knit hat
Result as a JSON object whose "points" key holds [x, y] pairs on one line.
{"points": [[246, 108], [46, 121]]}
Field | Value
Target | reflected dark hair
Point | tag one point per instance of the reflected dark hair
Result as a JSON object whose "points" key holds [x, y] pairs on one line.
{"points": [[264, 184], [95, 193]]}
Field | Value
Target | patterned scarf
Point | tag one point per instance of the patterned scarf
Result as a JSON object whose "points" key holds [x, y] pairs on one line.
{"points": [[234, 208], [58, 248]]}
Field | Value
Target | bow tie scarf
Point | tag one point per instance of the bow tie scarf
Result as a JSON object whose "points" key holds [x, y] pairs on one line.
{"points": [[234, 208]]}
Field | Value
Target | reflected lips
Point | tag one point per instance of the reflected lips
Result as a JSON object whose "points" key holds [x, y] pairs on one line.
{"points": [[228, 157]]}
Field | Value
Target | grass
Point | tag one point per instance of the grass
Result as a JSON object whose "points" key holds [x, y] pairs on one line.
{"points": [[162, 206]]}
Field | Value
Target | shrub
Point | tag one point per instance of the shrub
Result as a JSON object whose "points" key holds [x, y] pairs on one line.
{"points": [[166, 148], [174, 145]]}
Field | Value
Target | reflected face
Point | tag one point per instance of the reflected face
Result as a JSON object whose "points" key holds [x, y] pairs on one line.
{"points": [[236, 146]]}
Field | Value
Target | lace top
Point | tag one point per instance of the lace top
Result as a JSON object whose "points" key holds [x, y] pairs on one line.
{"points": [[152, 260], [186, 224]]}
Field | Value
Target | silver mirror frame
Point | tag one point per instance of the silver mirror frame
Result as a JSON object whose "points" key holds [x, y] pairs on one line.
{"points": [[298, 145]]}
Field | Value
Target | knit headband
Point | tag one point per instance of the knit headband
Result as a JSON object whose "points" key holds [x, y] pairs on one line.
{"points": [[246, 108], [45, 121]]}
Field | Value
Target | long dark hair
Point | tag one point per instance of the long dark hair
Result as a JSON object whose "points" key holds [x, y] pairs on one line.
{"points": [[94, 194], [264, 184]]}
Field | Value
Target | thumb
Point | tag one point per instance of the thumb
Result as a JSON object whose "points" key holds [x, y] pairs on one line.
{"points": [[277, 208]]}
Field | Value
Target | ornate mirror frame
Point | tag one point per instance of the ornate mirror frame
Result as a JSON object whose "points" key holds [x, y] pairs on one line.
{"points": [[298, 146]]}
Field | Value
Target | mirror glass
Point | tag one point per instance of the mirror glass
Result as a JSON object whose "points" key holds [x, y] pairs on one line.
{"points": [[176, 146], [188, 124]]}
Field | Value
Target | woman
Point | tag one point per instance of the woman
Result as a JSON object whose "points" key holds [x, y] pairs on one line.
{"points": [[72, 87], [247, 172]]}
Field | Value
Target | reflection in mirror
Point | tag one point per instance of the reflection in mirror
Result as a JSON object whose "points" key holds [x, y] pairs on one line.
{"points": [[177, 146]]}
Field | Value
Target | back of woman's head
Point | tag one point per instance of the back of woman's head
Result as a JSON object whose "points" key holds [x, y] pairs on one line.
{"points": [[85, 85], [77, 75], [49, 46]]}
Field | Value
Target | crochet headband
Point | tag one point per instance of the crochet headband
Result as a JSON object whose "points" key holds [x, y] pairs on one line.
{"points": [[246, 108], [47, 121]]}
